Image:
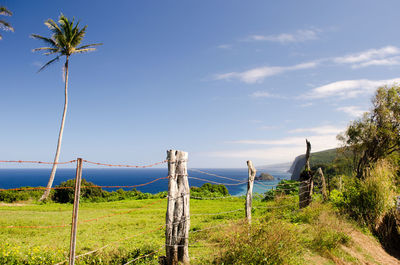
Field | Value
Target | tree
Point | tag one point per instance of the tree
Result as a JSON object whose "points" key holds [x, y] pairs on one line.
{"points": [[4, 24], [377, 134], [64, 41]]}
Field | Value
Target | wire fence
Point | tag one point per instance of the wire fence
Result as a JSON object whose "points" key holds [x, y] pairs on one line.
{"points": [[271, 192]]}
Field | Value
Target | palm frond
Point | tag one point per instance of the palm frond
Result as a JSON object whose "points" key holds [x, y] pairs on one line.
{"points": [[52, 25], [4, 11], [49, 50], [50, 53], [6, 26], [89, 45], [65, 39], [49, 41], [84, 50], [80, 34], [49, 62]]}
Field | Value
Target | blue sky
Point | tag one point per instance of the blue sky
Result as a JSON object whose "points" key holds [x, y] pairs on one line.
{"points": [[226, 81]]}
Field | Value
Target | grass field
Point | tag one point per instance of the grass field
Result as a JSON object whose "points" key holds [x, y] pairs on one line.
{"points": [[129, 229], [128, 226]]}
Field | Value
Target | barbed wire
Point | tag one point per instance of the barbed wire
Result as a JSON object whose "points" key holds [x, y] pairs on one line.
{"points": [[117, 241], [120, 213], [144, 256], [267, 189], [280, 184], [279, 206], [34, 227], [129, 166], [214, 198], [226, 184], [83, 187], [37, 162], [84, 221], [215, 175], [198, 214]]}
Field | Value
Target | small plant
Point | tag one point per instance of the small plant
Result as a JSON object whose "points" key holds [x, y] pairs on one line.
{"points": [[19, 195], [66, 190], [369, 199], [209, 190], [285, 187], [266, 243]]}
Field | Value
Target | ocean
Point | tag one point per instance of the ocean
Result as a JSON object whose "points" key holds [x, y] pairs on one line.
{"points": [[14, 178]]}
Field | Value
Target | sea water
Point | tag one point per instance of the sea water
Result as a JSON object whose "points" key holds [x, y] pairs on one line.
{"points": [[14, 178]]}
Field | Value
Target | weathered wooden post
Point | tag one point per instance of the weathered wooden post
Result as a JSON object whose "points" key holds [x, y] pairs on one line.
{"points": [[178, 216], [249, 195], [305, 187], [74, 224], [323, 184]]}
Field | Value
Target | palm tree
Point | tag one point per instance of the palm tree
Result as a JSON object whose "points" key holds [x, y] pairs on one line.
{"points": [[64, 41], [4, 24]]}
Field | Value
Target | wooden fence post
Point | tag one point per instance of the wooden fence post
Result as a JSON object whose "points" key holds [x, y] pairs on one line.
{"points": [[178, 215], [305, 187], [249, 195], [323, 184], [74, 224]]}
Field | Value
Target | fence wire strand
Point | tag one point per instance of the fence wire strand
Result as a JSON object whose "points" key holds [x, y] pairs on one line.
{"points": [[219, 183], [128, 166], [215, 175], [37, 162]]}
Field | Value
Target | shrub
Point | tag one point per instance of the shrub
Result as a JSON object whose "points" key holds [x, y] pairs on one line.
{"points": [[209, 190], [266, 243], [284, 187], [19, 195], [66, 195], [368, 200]]}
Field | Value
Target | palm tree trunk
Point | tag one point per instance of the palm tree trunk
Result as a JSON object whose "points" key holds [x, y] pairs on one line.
{"points": [[60, 135]]}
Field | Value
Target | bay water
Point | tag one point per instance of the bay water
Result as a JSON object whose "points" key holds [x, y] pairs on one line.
{"points": [[14, 178]]}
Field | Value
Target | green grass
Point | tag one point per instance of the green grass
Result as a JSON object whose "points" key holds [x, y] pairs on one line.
{"points": [[279, 234], [116, 220]]}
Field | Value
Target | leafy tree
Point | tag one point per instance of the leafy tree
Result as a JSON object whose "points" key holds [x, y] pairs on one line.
{"points": [[66, 195], [64, 41], [377, 134], [4, 24]]}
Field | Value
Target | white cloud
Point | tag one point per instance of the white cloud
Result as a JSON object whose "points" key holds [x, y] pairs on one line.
{"points": [[264, 94], [379, 62], [267, 128], [308, 104], [319, 140], [353, 111], [262, 156], [298, 36], [327, 129], [257, 75], [284, 150], [224, 46], [348, 88], [370, 57], [256, 121]]}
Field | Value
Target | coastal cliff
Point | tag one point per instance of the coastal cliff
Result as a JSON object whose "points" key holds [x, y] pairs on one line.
{"points": [[317, 158]]}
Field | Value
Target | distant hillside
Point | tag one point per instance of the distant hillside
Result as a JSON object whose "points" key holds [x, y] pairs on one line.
{"points": [[317, 158], [282, 167]]}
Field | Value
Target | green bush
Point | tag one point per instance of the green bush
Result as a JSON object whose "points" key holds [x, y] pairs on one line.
{"points": [[20, 195], [91, 193], [367, 200], [284, 187], [209, 190], [266, 243], [66, 195]]}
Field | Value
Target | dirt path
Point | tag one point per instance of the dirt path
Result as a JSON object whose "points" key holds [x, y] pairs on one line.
{"points": [[368, 251]]}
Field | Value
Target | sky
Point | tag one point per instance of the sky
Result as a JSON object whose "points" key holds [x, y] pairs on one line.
{"points": [[226, 81]]}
